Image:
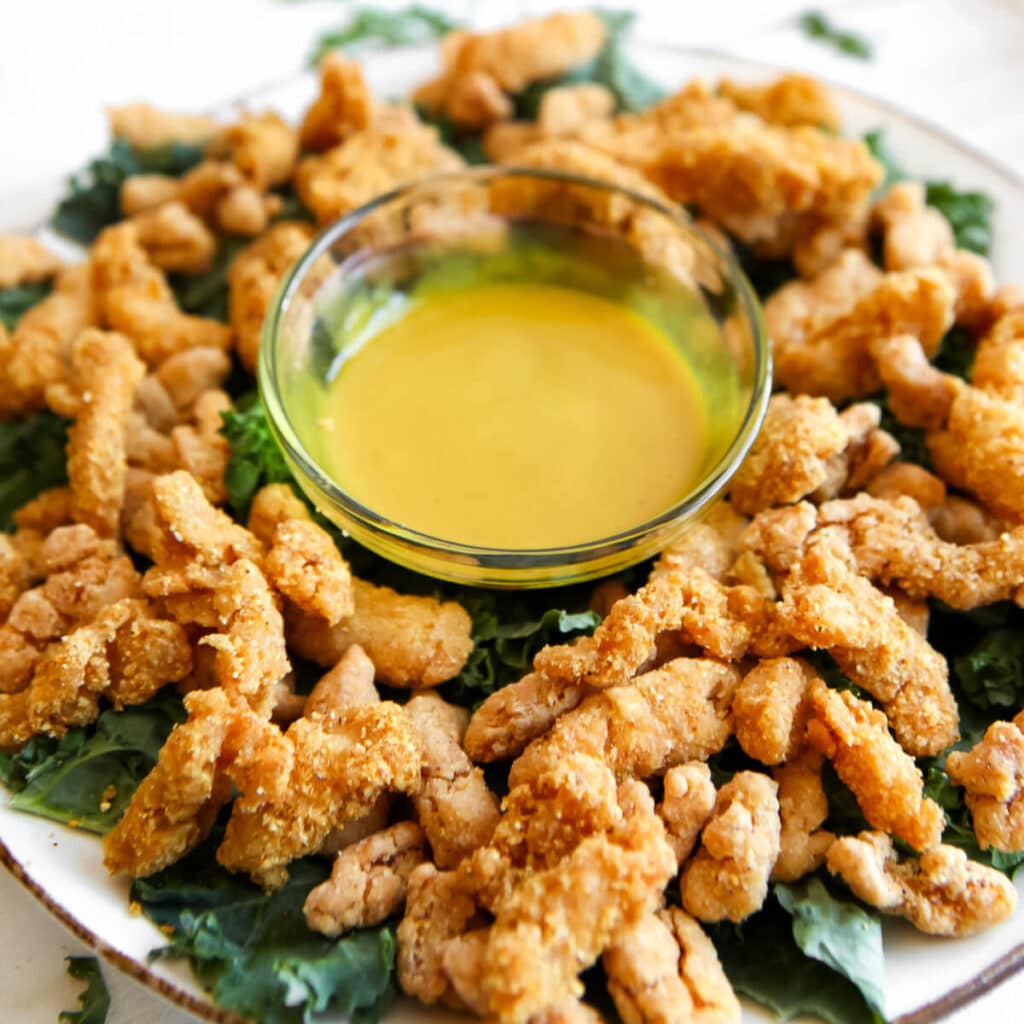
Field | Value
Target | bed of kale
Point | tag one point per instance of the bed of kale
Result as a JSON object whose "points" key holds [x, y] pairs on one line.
{"points": [[811, 950]]}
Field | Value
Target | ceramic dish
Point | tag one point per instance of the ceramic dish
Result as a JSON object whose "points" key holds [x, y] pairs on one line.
{"points": [[926, 978]]}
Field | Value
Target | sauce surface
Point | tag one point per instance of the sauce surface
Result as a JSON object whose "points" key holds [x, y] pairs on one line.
{"points": [[515, 415]]}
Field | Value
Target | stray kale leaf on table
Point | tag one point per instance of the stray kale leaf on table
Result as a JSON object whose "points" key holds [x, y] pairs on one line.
{"points": [[816, 25], [95, 999], [416, 23]]}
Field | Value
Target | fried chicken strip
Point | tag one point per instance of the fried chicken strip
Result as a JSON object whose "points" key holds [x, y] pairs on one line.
{"points": [[687, 803], [803, 807], [771, 707], [24, 259], [305, 566]]}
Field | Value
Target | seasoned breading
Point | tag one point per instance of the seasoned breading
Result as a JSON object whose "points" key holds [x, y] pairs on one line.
{"points": [[998, 366], [939, 893], [569, 1012], [16, 574], [140, 192], [791, 100], [868, 451], [24, 259], [271, 506], [305, 566], [199, 446], [368, 881], [349, 684], [413, 641], [263, 147], [770, 709], [146, 127], [175, 239], [678, 713], [168, 396], [550, 926], [686, 805], [882, 776], [568, 108], [992, 774], [727, 878], [133, 297], [803, 808], [713, 544], [344, 105], [253, 277]]}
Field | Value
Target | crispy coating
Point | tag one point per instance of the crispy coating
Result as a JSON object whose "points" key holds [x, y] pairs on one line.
{"points": [[665, 971], [771, 707], [305, 565], [146, 126], [803, 807], [513, 716], [263, 147], [175, 239], [167, 396], [140, 192], [289, 804], [570, 1012], [456, 810], [438, 907], [368, 163], [133, 297], [16, 574], [368, 881], [414, 642], [790, 457], [568, 108], [126, 653], [105, 373], [176, 803], [344, 105], [868, 451], [789, 100], [713, 545], [550, 926], [686, 805], [727, 878], [891, 542], [992, 773], [881, 775], [939, 893], [199, 447], [678, 713], [24, 259], [998, 366], [349, 684], [271, 506], [253, 277]]}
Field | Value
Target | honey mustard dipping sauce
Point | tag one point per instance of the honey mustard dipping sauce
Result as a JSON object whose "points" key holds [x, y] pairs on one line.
{"points": [[545, 395]]}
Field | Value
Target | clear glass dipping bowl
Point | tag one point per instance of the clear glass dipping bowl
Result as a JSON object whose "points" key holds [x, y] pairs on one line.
{"points": [[395, 239]]}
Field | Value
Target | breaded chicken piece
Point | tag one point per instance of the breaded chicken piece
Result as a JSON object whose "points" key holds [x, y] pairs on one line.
{"points": [[666, 971], [550, 927], [891, 542], [570, 1012], [264, 147], [175, 239], [368, 163], [199, 446], [36, 354], [82, 573], [789, 100], [133, 297], [176, 804], [680, 712], [305, 565], [438, 907], [168, 396], [288, 805], [790, 457], [828, 605], [713, 544], [414, 642], [125, 654], [147, 127], [803, 808], [999, 358], [868, 451], [882, 776], [253, 277], [992, 773], [454, 806], [511, 717], [24, 259], [568, 108], [344, 105], [368, 881], [271, 506], [939, 893], [349, 684], [686, 805], [770, 709], [16, 574], [727, 878], [99, 393]]}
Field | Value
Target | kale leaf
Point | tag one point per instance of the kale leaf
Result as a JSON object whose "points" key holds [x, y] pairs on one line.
{"points": [[14, 302], [93, 202], [253, 951], [876, 142], [991, 673], [816, 25], [256, 458], [207, 294], [31, 460], [406, 26], [842, 935], [95, 999], [969, 214], [87, 777]]}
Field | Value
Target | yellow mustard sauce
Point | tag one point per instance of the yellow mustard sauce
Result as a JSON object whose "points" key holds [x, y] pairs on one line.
{"points": [[515, 415]]}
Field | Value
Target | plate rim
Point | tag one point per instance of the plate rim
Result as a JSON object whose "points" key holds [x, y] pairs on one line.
{"points": [[985, 981]]}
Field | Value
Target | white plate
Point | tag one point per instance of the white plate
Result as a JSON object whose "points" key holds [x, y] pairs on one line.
{"points": [[925, 978]]}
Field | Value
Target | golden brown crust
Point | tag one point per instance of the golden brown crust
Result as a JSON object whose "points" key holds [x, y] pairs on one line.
{"points": [[24, 259]]}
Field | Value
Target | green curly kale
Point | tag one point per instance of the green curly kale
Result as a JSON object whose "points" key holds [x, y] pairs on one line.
{"points": [[95, 999]]}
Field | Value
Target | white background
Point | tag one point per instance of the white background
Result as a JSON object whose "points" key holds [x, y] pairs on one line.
{"points": [[958, 63]]}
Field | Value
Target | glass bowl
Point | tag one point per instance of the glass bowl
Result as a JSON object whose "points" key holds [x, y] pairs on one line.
{"points": [[649, 255]]}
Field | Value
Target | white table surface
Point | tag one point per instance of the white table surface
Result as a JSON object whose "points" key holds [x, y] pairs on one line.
{"points": [[959, 63]]}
